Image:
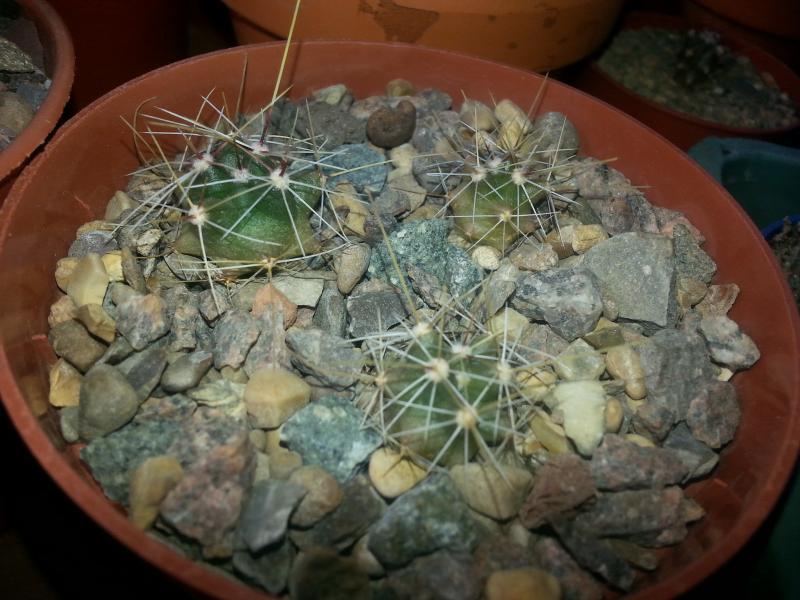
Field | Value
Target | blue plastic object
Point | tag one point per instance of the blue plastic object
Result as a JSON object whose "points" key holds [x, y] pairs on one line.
{"points": [[764, 178]]}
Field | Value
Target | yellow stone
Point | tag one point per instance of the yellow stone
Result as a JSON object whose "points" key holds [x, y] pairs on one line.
{"points": [[64, 269], [522, 584], [493, 493], [150, 484], [550, 434], [535, 382], [119, 203], [113, 264], [97, 321], [613, 415], [61, 310], [508, 325], [273, 395], [402, 158], [623, 363], [639, 440], [585, 237], [348, 208], [477, 116], [393, 474], [89, 281], [399, 87], [65, 384], [283, 462]]}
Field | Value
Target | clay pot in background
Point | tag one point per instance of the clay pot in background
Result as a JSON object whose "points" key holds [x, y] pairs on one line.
{"points": [[680, 128], [117, 40], [73, 179], [773, 25], [59, 64], [534, 35]]}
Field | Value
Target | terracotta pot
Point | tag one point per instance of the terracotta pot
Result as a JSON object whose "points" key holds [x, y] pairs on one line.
{"points": [[786, 48], [72, 180], [533, 35], [778, 17], [117, 40], [59, 64], [680, 128]]}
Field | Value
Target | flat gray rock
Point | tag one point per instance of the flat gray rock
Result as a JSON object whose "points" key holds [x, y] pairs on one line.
{"points": [[329, 359]]}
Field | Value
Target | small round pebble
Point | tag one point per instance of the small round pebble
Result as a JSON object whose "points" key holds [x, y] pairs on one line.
{"points": [[323, 495], [390, 127]]}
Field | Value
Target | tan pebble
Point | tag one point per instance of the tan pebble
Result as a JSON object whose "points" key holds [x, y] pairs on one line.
{"points": [[522, 584], [623, 362], [530, 446], [511, 135], [585, 237], [549, 434], [150, 484], [423, 213], [283, 462], [405, 182], [119, 203], [234, 375], [690, 291], [535, 382], [89, 281], [65, 384], [459, 241], [272, 440], [477, 116], [271, 297], [64, 269], [519, 534], [613, 415], [402, 158], [96, 225], [366, 561], [262, 470], [561, 241], [634, 405], [273, 395], [399, 87], [258, 438], [490, 492], [724, 374], [350, 265], [349, 209], [508, 324], [639, 440], [530, 256], [61, 310], [98, 322], [323, 494], [392, 474], [719, 300], [487, 257], [113, 264], [506, 111]]}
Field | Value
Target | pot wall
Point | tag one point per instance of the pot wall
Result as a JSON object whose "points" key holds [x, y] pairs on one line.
{"points": [[73, 179], [534, 35]]}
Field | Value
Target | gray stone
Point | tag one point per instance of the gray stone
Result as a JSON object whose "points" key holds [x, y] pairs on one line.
{"points": [[321, 574], [99, 242], [13, 59], [69, 423], [374, 307], [131, 271], [432, 291], [424, 244], [568, 299], [560, 485], [691, 260], [143, 369], [595, 555], [576, 584], [302, 291], [619, 464], [265, 516], [186, 371], [221, 392], [439, 576], [185, 322], [539, 342], [347, 163], [211, 309], [727, 344], [714, 415], [176, 407], [142, 319], [270, 349], [437, 174], [330, 360], [234, 335], [435, 99], [676, 368], [268, 568], [698, 459], [532, 256], [328, 432], [636, 272], [340, 529], [333, 125], [555, 136], [117, 351], [114, 457], [331, 313], [432, 516], [107, 402], [185, 267], [72, 342], [432, 126]]}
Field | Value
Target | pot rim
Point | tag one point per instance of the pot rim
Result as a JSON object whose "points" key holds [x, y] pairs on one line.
{"points": [[641, 19], [54, 36], [202, 578]]}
